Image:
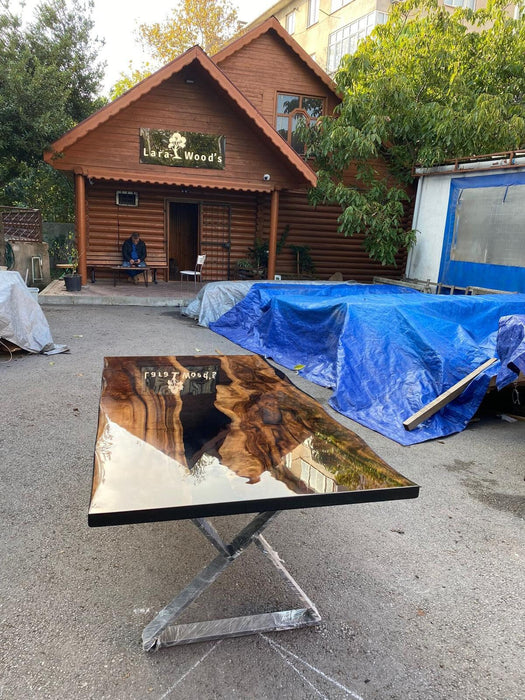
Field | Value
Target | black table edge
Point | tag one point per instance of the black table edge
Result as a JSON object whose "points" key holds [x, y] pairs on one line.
{"points": [[206, 510]]}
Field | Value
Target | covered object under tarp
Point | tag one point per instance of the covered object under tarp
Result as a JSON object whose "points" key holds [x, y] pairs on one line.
{"points": [[386, 351], [216, 298], [22, 321], [511, 349]]}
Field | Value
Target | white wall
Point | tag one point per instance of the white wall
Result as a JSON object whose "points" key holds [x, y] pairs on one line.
{"points": [[430, 217], [429, 221]]}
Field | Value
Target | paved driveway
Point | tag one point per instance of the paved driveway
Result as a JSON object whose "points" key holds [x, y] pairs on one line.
{"points": [[420, 599]]}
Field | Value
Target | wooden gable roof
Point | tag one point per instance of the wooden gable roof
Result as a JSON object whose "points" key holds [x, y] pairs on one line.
{"points": [[298, 172], [274, 26]]}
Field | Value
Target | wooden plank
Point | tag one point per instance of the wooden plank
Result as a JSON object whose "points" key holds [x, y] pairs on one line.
{"points": [[445, 398]]}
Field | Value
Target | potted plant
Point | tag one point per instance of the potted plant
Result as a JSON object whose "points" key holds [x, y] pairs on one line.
{"points": [[303, 260], [255, 266], [247, 269], [65, 250]]}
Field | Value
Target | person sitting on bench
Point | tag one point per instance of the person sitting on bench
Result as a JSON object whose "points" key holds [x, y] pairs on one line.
{"points": [[134, 254]]}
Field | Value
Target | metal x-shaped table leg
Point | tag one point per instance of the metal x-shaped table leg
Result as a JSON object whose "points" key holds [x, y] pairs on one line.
{"points": [[162, 633]]}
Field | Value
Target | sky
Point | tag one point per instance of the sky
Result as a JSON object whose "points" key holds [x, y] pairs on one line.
{"points": [[116, 20]]}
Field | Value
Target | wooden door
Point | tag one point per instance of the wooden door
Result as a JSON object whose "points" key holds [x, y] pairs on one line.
{"points": [[183, 237]]}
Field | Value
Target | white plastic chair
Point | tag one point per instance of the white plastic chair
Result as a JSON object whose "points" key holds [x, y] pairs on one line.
{"points": [[196, 273]]}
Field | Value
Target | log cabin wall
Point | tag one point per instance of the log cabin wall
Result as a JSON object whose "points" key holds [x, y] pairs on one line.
{"points": [[330, 251], [267, 66], [109, 225], [316, 227]]}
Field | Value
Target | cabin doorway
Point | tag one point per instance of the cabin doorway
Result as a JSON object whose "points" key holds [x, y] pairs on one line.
{"points": [[216, 240], [183, 237]]}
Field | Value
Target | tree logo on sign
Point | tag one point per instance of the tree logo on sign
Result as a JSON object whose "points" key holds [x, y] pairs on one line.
{"points": [[176, 141]]}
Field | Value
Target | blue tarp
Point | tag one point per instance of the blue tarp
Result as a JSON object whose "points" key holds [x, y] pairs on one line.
{"points": [[386, 351], [511, 349]]}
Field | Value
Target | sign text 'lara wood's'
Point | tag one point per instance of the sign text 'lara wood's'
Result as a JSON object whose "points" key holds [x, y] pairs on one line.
{"points": [[183, 149]]}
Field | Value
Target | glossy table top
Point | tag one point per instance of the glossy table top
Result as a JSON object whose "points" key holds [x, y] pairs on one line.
{"points": [[187, 437]]}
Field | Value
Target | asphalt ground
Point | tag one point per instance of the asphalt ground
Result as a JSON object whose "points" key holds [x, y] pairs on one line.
{"points": [[420, 599]]}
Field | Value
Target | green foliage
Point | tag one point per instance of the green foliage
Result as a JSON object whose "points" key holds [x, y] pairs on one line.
{"points": [[420, 89], [304, 260], [48, 81], [64, 250], [257, 261], [128, 80], [44, 188], [208, 23], [260, 251]]}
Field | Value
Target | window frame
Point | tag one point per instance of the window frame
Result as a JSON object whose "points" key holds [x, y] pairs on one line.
{"points": [[313, 12], [463, 271], [466, 4], [290, 22], [338, 4], [299, 110], [344, 40]]}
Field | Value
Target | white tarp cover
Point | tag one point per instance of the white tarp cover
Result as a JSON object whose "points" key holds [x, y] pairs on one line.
{"points": [[216, 298], [22, 321]]}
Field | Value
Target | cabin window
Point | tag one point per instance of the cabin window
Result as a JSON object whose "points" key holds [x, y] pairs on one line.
{"points": [[126, 199], [293, 110], [290, 22]]}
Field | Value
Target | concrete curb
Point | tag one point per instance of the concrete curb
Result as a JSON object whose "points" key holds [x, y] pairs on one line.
{"points": [[78, 300]]}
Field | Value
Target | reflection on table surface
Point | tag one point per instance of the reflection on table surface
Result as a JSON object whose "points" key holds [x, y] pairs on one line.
{"points": [[204, 435]]}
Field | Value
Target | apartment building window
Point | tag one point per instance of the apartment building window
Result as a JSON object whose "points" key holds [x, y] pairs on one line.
{"points": [[337, 4], [313, 12], [316, 480], [345, 40], [468, 4], [290, 22], [293, 110]]}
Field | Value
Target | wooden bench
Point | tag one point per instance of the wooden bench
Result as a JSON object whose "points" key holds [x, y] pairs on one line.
{"points": [[114, 264]]}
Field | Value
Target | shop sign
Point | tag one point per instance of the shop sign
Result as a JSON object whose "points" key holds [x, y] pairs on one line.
{"points": [[183, 149]]}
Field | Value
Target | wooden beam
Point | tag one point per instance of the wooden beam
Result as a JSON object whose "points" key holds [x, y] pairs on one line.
{"points": [[446, 397], [81, 224], [272, 245]]}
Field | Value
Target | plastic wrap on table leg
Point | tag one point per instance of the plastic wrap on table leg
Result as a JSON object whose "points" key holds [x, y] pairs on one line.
{"points": [[237, 627], [193, 590]]}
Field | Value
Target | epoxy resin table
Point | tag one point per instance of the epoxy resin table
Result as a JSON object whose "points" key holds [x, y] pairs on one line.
{"points": [[192, 437]]}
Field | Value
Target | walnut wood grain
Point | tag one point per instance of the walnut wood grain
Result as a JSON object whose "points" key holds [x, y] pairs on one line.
{"points": [[216, 429]]}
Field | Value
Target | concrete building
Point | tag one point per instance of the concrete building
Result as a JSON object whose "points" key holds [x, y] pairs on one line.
{"points": [[329, 29]]}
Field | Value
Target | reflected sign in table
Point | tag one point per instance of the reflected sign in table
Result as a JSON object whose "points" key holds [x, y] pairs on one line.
{"points": [[191, 437]]}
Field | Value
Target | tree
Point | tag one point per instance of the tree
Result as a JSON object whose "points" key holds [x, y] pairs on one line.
{"points": [[427, 86], [49, 78], [208, 23]]}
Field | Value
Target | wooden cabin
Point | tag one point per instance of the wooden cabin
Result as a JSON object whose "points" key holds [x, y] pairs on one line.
{"points": [[201, 158]]}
